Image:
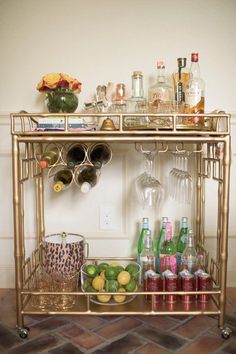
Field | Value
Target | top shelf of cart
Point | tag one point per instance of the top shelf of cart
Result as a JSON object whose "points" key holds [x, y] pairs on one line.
{"points": [[119, 126]]}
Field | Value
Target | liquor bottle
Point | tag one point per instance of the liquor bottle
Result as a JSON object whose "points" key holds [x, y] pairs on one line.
{"points": [[147, 256], [86, 177], [182, 240], [49, 157], [161, 93], [74, 155], [160, 240], [168, 251], [99, 154], [119, 101], [62, 178], [137, 101], [180, 79], [145, 227], [195, 92], [189, 255]]}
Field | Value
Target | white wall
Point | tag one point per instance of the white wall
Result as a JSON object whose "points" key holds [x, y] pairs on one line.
{"points": [[97, 42]]}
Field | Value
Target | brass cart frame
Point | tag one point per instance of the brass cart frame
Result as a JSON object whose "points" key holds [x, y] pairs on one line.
{"points": [[214, 163]]}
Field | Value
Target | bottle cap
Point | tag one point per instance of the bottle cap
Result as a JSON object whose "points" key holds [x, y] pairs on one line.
{"points": [[194, 57], [43, 164], [58, 186], [137, 73], [85, 187], [181, 62]]}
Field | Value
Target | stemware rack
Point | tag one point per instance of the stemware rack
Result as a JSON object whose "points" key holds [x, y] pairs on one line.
{"points": [[212, 147]]}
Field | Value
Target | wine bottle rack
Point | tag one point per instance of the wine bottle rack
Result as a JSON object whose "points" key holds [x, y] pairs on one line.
{"points": [[164, 130]]}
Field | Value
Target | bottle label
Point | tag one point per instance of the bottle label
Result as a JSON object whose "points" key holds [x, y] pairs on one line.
{"points": [[193, 96], [168, 260]]}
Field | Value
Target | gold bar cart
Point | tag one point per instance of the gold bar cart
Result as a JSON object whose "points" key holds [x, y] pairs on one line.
{"points": [[212, 146]]}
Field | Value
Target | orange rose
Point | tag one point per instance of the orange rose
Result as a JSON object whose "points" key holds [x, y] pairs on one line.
{"points": [[51, 80]]}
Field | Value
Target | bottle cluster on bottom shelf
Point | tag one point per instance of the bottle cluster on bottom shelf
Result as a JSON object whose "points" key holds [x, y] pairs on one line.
{"points": [[170, 265]]}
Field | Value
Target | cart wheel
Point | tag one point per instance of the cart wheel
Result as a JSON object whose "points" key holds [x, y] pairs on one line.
{"points": [[226, 333], [23, 332]]}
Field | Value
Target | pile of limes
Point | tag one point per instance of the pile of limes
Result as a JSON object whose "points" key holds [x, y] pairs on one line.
{"points": [[112, 277]]}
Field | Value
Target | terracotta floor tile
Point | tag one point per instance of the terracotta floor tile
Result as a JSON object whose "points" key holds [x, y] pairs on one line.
{"points": [[162, 322], [151, 349], [67, 348], [230, 348], [52, 323], [164, 338], [37, 345], [118, 328], [89, 322], [204, 345], [88, 340], [8, 339], [195, 326], [124, 345], [84, 338], [71, 331]]}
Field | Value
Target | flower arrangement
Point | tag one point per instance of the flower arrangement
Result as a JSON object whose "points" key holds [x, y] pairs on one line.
{"points": [[61, 90], [57, 82]]}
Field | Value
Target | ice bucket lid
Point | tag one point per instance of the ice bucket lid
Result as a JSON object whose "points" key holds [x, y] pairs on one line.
{"points": [[64, 238]]}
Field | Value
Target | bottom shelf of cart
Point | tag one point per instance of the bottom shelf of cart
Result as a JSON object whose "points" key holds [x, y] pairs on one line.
{"points": [[136, 307]]}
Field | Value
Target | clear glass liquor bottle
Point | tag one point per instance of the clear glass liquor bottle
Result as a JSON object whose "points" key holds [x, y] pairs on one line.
{"points": [[168, 251], [195, 92], [137, 102], [189, 255], [145, 227], [147, 256], [182, 240], [160, 241], [162, 92]]}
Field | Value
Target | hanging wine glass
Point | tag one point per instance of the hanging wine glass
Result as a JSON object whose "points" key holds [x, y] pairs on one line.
{"points": [[148, 188]]}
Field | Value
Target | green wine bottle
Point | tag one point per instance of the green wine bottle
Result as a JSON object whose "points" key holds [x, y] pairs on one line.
{"points": [[182, 239], [62, 179], [145, 227], [168, 252], [160, 241]]}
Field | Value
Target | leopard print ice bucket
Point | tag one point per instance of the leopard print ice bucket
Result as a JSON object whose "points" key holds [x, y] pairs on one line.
{"points": [[64, 253]]}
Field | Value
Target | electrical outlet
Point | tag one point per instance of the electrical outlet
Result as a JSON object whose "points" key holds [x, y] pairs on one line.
{"points": [[106, 217]]}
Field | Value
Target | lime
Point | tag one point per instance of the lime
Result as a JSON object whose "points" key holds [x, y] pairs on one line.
{"points": [[91, 270], [120, 298], [98, 283], [102, 266], [119, 268], [133, 269], [112, 285], [87, 283], [110, 273], [131, 286], [90, 289], [124, 277]]}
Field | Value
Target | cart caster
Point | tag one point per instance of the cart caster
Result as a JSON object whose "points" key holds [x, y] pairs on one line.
{"points": [[23, 332], [226, 333]]}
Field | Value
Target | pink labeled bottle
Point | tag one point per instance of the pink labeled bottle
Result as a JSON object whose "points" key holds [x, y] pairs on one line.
{"points": [[168, 252]]}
